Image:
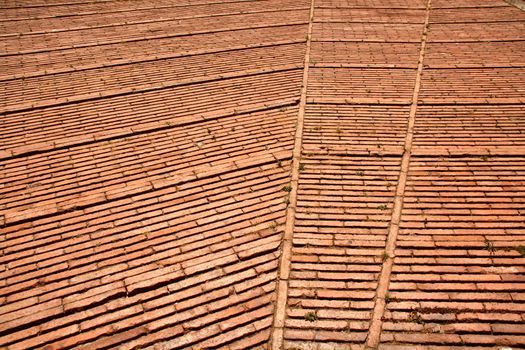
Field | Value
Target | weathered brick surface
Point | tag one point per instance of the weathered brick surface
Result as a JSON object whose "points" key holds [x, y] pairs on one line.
{"points": [[139, 211], [456, 268], [326, 174], [344, 207], [161, 45]]}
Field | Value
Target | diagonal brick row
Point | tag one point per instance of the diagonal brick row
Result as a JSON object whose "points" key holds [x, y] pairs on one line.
{"points": [[143, 200], [152, 47], [169, 250], [31, 9], [149, 72], [262, 174], [114, 14], [92, 173], [117, 115], [53, 41]]}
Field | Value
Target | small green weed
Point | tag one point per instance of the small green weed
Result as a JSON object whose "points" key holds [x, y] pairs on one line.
{"points": [[521, 249], [489, 245], [388, 298], [310, 316], [415, 317], [287, 188]]}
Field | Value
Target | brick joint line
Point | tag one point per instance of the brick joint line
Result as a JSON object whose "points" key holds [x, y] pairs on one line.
{"points": [[90, 13], [16, 108], [142, 59], [65, 143], [122, 24], [152, 37], [374, 332], [141, 187], [286, 246]]}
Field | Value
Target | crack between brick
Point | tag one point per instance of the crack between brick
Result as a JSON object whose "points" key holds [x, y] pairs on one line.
{"points": [[374, 333], [144, 186], [277, 336], [151, 37], [123, 24], [143, 59], [104, 1], [134, 130], [17, 108]]}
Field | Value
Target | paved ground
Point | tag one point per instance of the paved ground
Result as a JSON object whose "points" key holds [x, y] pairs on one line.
{"points": [[285, 174]]}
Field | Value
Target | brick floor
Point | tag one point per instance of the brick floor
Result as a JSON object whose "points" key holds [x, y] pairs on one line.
{"points": [[262, 174]]}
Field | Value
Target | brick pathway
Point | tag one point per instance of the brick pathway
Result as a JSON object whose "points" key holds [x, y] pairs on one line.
{"points": [[266, 174]]}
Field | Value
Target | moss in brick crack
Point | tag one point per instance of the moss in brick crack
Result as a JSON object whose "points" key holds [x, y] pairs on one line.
{"points": [[310, 316], [388, 298], [521, 249], [287, 188], [490, 246], [415, 317]]}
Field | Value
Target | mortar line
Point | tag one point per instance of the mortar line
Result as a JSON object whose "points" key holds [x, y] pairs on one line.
{"points": [[374, 332], [517, 3], [139, 22], [286, 247]]}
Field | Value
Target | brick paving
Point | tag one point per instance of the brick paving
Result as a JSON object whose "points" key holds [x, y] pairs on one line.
{"points": [[262, 174]]}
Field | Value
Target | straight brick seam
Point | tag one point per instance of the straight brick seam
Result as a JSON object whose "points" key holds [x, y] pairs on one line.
{"points": [[365, 7], [151, 37], [140, 187], [361, 21], [57, 4], [478, 22], [121, 24], [145, 88], [286, 247], [380, 41], [470, 6], [362, 65], [107, 12], [442, 66], [489, 40], [141, 59], [24, 151], [359, 101], [102, 1], [472, 101], [456, 152], [480, 40], [374, 332]]}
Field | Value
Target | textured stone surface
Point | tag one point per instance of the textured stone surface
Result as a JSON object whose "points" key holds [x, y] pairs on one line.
{"points": [[325, 174]]}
